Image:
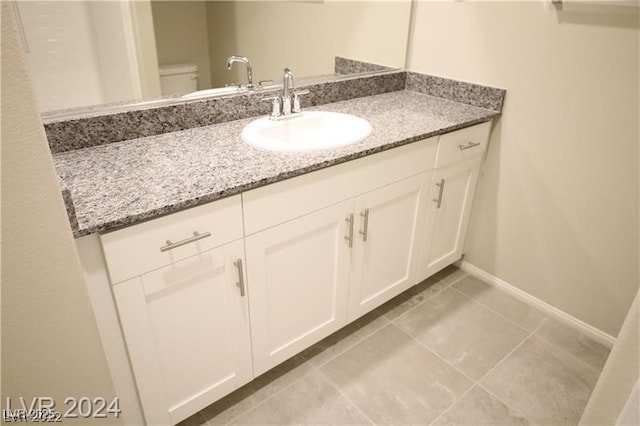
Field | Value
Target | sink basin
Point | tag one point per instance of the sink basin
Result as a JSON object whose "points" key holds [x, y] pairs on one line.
{"points": [[211, 92], [310, 131]]}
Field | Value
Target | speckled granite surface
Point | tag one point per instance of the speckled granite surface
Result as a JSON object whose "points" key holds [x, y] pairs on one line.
{"points": [[92, 127], [71, 210], [352, 66], [117, 184], [454, 90], [99, 128]]}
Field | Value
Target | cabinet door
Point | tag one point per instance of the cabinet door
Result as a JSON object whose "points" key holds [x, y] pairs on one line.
{"points": [[390, 220], [448, 215], [186, 327], [299, 274]]}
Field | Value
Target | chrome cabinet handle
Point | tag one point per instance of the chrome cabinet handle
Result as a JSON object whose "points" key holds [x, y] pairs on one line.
{"points": [[240, 283], [349, 238], [365, 231], [468, 145], [196, 236], [439, 199]]}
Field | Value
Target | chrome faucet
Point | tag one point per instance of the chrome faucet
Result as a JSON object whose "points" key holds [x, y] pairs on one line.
{"points": [[245, 61], [287, 87], [285, 106], [287, 83]]}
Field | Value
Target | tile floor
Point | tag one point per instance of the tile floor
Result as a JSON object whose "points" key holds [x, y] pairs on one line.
{"points": [[450, 351]]}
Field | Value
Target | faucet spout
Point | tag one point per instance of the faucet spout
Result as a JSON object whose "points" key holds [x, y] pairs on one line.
{"points": [[287, 83], [244, 60]]}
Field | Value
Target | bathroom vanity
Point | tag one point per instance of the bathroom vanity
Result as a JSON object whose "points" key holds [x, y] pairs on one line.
{"points": [[210, 261]]}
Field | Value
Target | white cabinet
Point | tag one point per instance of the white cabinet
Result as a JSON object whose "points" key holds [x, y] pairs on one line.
{"points": [[186, 327], [448, 215], [180, 294], [387, 243], [452, 191], [299, 275], [310, 270], [312, 275]]}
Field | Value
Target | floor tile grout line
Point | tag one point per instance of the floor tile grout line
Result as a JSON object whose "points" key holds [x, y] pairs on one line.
{"points": [[473, 381], [575, 357], [491, 309], [535, 330], [315, 368], [479, 381], [270, 397], [312, 369], [456, 368], [445, 288], [388, 321], [504, 358], [366, 336], [337, 388], [531, 333], [481, 386], [437, 355], [454, 280], [454, 403], [540, 325], [535, 334]]}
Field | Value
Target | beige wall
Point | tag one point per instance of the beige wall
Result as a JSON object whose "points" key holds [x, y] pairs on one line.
{"points": [[144, 39], [50, 343], [304, 36], [181, 35], [556, 213]]}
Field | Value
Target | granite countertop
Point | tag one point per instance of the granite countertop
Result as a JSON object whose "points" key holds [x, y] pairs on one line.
{"points": [[122, 183]]}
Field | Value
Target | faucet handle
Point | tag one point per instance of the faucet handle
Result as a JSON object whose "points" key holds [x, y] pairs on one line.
{"points": [[237, 85], [296, 100], [286, 105], [262, 83], [275, 106]]}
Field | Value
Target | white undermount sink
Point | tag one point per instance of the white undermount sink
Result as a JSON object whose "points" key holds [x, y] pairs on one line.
{"points": [[309, 131]]}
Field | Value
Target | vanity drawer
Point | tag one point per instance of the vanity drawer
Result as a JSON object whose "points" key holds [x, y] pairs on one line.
{"points": [[143, 247], [462, 144]]}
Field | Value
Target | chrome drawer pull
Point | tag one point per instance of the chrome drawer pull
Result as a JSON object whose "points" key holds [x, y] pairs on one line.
{"points": [[439, 199], [240, 283], [196, 236], [349, 238], [365, 232], [468, 145]]}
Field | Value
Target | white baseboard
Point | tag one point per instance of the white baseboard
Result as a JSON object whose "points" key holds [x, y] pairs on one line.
{"points": [[541, 305]]}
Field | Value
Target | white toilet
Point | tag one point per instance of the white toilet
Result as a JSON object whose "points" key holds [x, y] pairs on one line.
{"points": [[178, 78]]}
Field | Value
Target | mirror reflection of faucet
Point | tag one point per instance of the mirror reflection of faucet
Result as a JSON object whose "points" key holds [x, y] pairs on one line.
{"points": [[287, 105], [244, 60]]}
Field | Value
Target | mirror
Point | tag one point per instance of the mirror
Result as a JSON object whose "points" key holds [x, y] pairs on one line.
{"points": [[91, 53]]}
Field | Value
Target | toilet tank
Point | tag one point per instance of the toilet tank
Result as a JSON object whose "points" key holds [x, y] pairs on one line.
{"points": [[178, 78]]}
